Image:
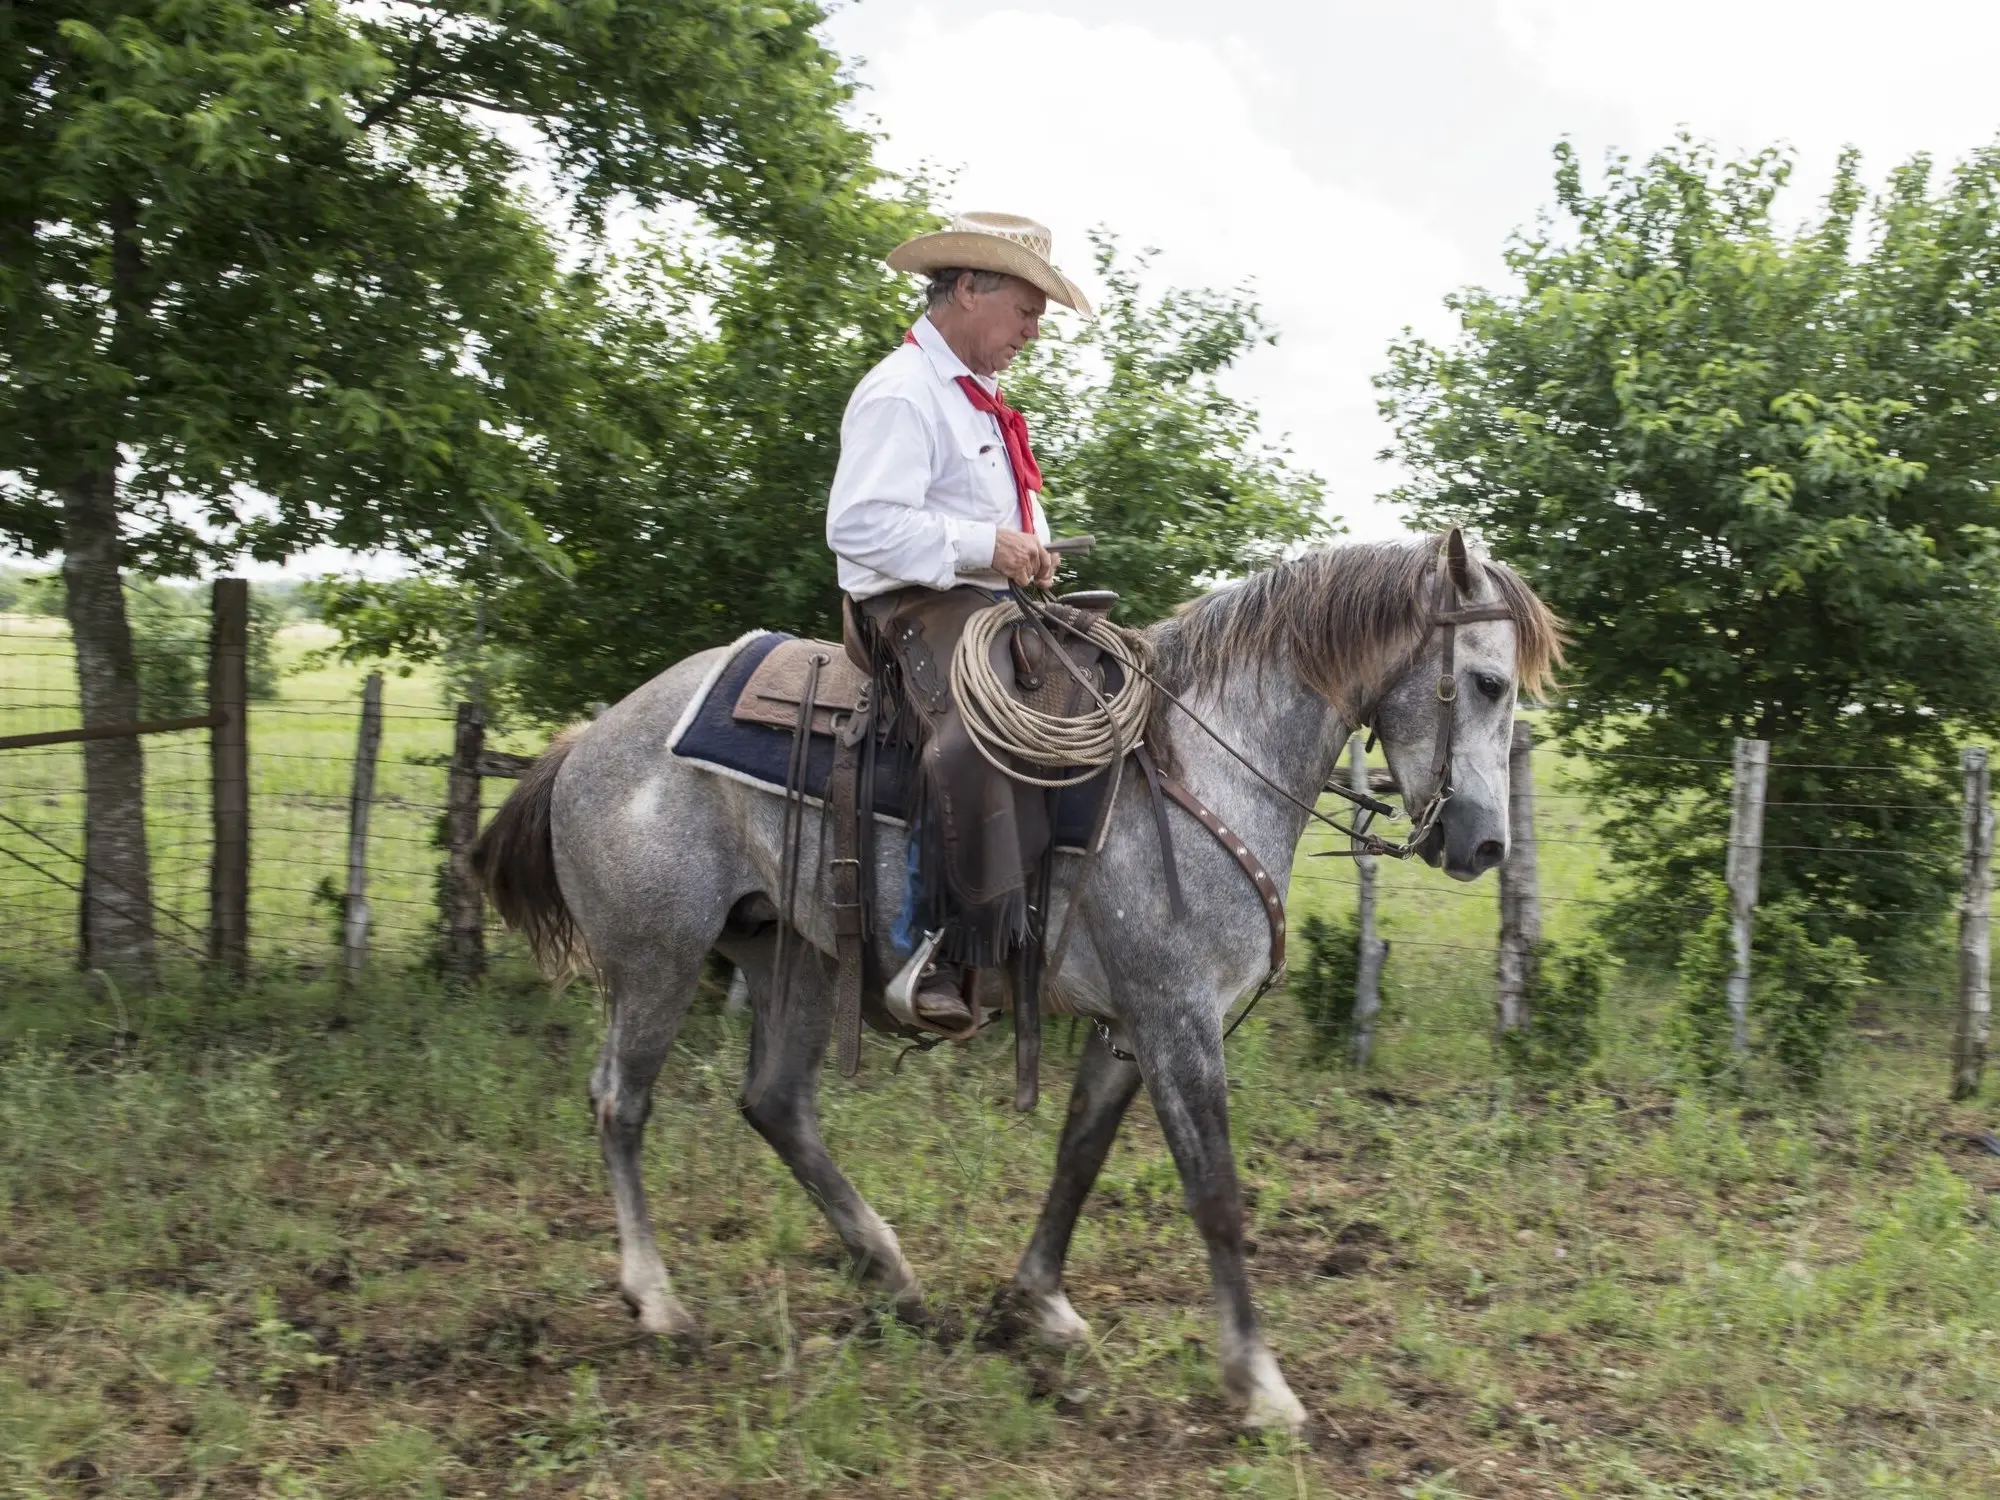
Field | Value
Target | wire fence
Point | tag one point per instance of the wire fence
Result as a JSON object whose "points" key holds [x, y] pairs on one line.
{"points": [[1433, 924], [303, 745], [302, 749]]}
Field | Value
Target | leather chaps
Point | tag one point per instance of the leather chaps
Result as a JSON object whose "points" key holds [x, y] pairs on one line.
{"points": [[982, 837]]}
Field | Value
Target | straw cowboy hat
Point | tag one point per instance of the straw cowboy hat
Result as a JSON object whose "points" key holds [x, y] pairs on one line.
{"points": [[992, 242]]}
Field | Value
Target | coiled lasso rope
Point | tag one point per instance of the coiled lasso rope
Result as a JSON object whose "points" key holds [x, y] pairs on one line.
{"points": [[1003, 726]]}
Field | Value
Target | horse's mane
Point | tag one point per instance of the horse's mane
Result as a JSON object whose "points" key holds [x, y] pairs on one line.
{"points": [[1346, 617]]}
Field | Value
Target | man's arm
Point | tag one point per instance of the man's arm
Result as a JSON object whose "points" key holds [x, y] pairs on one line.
{"points": [[876, 515]]}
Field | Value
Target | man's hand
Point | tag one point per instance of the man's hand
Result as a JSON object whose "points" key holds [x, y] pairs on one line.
{"points": [[1022, 558]]}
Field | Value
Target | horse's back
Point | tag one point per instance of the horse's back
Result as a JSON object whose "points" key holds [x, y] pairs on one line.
{"points": [[634, 825]]}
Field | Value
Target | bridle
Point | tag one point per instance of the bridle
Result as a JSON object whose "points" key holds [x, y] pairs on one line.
{"points": [[1448, 612]]}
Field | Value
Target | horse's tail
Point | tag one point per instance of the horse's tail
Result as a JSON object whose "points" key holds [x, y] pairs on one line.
{"points": [[515, 860]]}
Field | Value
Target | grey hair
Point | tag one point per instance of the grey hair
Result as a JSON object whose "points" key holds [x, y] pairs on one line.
{"points": [[944, 284]]}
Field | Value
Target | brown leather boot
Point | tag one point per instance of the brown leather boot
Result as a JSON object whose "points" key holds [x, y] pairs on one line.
{"points": [[940, 1001]]}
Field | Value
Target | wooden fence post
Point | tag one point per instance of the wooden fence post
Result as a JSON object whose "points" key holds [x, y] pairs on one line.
{"points": [[1368, 968], [1520, 898], [354, 929], [464, 913], [1975, 993], [1746, 855], [229, 776]]}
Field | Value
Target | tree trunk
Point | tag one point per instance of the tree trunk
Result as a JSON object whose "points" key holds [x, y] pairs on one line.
{"points": [[117, 920]]}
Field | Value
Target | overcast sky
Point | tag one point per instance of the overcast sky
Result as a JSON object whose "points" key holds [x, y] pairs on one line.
{"points": [[1357, 161]]}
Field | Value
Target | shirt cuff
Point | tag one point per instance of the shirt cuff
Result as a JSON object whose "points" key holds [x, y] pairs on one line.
{"points": [[971, 544]]}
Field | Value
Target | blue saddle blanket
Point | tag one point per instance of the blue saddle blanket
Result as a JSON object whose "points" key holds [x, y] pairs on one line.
{"points": [[710, 736]]}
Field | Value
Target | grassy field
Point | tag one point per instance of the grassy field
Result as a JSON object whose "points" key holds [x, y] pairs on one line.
{"points": [[294, 1242]]}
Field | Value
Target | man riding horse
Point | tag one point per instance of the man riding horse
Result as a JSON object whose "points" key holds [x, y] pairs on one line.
{"points": [[934, 510]]}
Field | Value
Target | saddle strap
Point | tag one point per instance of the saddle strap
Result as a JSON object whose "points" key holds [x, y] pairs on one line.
{"points": [[1267, 888], [1028, 961], [849, 929], [790, 841]]}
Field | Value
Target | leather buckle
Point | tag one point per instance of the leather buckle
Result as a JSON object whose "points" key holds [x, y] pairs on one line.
{"points": [[850, 729]]}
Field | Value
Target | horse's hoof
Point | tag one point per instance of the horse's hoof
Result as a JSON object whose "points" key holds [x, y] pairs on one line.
{"points": [[1275, 1410], [661, 1314], [910, 1309], [1057, 1324], [1018, 1312]]}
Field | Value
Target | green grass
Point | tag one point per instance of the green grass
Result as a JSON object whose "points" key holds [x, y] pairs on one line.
{"points": [[294, 1242], [289, 1242]]}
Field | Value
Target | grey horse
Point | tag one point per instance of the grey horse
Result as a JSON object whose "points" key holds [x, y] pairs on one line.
{"points": [[615, 855]]}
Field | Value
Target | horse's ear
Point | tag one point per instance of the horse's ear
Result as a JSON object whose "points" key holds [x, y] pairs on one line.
{"points": [[1459, 559]]}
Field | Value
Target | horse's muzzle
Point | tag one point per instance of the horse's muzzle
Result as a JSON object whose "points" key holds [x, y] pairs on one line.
{"points": [[1467, 847]]}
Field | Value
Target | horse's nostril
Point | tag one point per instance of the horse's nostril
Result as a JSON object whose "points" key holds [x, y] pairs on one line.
{"points": [[1489, 853]]}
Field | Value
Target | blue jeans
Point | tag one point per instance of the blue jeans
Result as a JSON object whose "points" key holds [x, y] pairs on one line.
{"points": [[908, 931]]}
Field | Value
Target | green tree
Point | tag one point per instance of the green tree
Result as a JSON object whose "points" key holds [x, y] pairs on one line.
{"points": [[732, 368], [1755, 470], [254, 249]]}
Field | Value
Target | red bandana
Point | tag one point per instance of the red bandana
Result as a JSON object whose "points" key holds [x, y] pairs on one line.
{"points": [[1014, 432]]}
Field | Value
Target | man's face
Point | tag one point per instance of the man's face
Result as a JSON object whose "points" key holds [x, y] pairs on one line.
{"points": [[997, 325]]}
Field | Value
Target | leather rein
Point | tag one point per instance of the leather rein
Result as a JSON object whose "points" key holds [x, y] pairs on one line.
{"points": [[1448, 612]]}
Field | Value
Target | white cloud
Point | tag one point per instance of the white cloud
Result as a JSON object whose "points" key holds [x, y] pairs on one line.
{"points": [[1890, 79], [1082, 125]]}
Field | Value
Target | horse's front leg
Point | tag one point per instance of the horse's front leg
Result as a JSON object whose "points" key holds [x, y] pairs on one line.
{"points": [[1180, 1055], [1097, 1102]]}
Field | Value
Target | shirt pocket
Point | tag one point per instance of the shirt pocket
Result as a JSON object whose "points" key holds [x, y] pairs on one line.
{"points": [[989, 480]]}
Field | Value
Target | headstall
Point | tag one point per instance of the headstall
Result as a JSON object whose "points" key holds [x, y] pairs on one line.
{"points": [[1448, 612]]}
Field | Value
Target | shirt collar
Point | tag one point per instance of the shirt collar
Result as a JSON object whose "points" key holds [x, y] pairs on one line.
{"points": [[947, 364]]}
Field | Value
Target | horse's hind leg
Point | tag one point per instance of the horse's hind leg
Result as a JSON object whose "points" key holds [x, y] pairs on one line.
{"points": [[1097, 1102], [647, 1008], [787, 1115]]}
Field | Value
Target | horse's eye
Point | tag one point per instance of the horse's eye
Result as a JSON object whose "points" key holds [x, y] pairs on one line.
{"points": [[1493, 687]]}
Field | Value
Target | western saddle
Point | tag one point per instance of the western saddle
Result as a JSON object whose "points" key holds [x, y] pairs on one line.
{"points": [[985, 846]]}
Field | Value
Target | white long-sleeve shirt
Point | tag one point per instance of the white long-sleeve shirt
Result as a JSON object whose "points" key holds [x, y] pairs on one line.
{"points": [[924, 480]]}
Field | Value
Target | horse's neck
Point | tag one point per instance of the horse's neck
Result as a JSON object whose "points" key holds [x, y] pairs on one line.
{"points": [[1281, 727]]}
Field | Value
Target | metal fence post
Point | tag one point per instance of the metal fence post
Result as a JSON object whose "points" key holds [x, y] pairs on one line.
{"points": [[1975, 993], [464, 912], [354, 927], [1368, 968], [229, 776], [1520, 897], [1746, 855]]}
